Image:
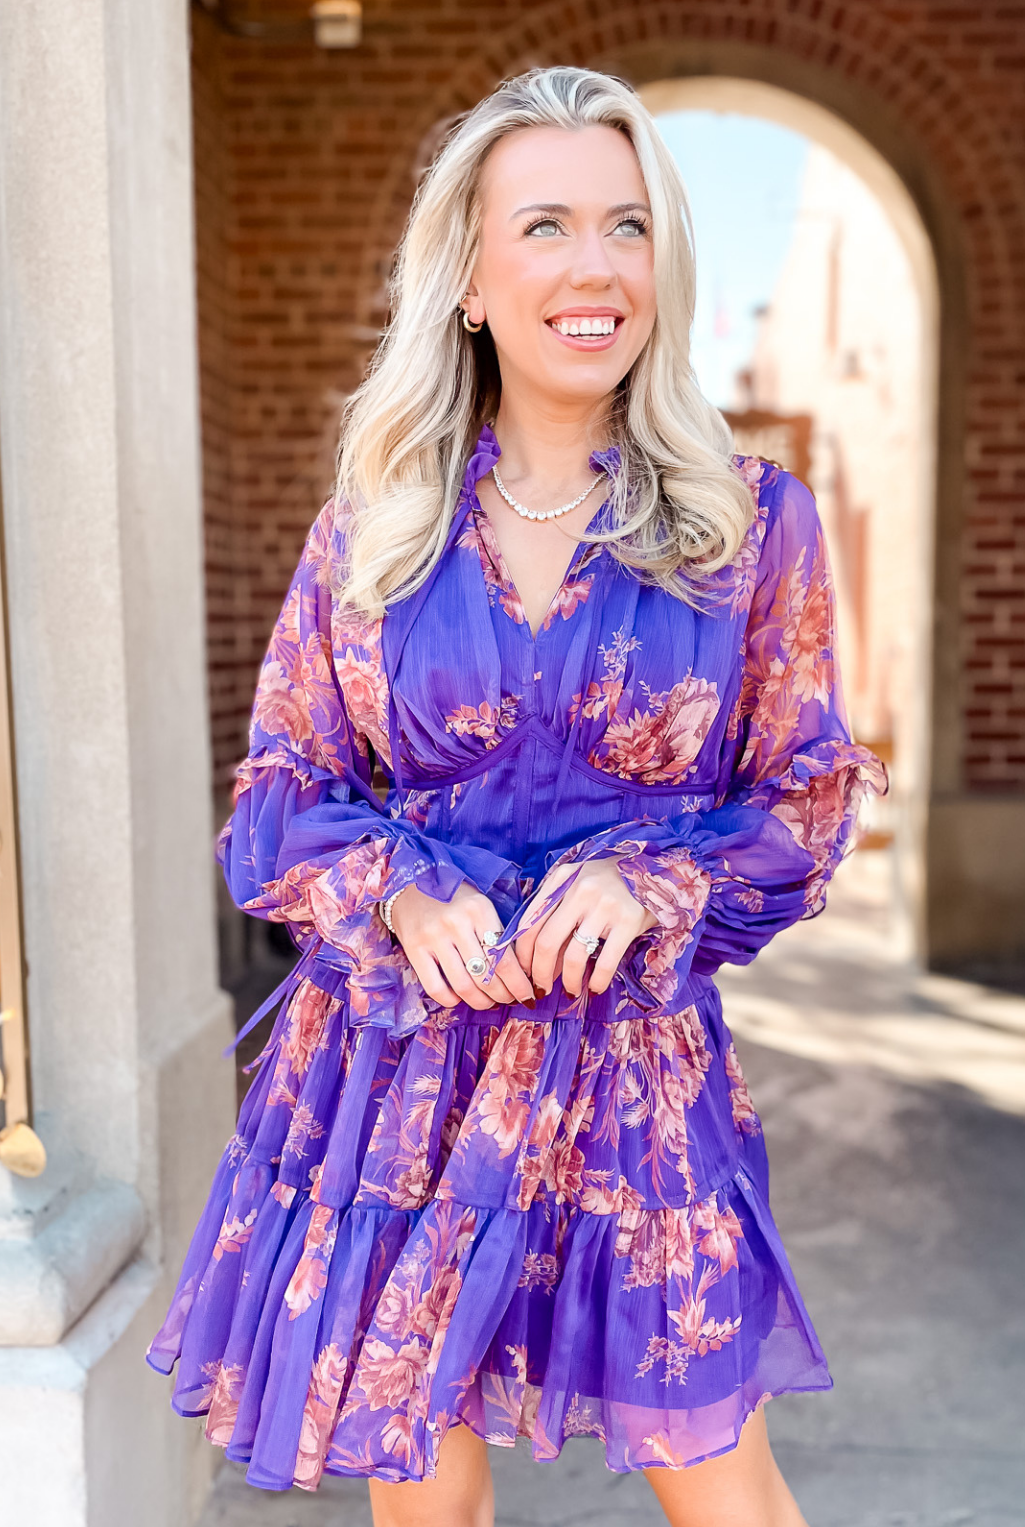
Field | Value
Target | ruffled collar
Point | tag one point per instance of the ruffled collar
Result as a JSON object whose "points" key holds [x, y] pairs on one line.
{"points": [[487, 451]]}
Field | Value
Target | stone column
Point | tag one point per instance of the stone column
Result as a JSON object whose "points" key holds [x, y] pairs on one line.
{"points": [[99, 462]]}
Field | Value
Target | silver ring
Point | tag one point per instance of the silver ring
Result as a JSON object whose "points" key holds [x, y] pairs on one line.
{"points": [[490, 938], [476, 965], [589, 941]]}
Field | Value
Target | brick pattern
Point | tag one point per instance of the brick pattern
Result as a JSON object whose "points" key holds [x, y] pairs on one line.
{"points": [[305, 167]]}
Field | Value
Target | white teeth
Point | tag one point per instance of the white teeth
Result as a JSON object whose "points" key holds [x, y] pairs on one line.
{"points": [[585, 326]]}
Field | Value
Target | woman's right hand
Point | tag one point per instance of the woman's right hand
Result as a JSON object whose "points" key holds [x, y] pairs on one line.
{"points": [[440, 936]]}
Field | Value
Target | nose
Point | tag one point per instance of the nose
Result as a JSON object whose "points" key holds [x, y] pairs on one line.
{"points": [[591, 264]]}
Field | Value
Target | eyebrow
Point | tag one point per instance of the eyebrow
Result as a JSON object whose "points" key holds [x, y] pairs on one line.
{"points": [[560, 209]]}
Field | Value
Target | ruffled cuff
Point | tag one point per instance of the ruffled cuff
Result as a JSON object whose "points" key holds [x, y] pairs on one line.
{"points": [[337, 905]]}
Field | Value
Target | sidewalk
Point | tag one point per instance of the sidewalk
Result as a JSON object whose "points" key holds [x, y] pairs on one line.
{"points": [[894, 1108]]}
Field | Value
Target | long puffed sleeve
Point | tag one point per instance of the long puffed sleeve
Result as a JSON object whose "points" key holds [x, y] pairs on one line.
{"points": [[722, 882], [309, 843]]}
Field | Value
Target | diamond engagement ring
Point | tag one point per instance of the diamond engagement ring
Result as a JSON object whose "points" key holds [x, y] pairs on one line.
{"points": [[476, 965], [490, 938], [589, 941]]}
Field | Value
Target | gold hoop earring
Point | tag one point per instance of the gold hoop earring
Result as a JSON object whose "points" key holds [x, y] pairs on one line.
{"points": [[471, 328]]}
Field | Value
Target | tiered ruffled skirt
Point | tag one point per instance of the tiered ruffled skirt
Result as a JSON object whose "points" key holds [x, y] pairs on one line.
{"points": [[543, 1228]]}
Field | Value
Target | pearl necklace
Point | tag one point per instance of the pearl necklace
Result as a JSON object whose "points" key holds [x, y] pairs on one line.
{"points": [[538, 514]]}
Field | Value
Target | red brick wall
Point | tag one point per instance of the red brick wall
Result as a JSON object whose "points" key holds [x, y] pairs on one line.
{"points": [[305, 169]]}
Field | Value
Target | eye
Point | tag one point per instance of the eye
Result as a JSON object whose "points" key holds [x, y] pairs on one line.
{"points": [[545, 228], [636, 227]]}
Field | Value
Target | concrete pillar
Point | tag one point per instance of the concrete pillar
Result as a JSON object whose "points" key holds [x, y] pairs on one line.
{"points": [[99, 463]]}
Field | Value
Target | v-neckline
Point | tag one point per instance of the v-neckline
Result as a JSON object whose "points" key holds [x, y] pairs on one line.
{"points": [[489, 543]]}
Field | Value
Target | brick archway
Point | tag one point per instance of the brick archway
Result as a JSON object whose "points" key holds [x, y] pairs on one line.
{"points": [[936, 90], [904, 97]]}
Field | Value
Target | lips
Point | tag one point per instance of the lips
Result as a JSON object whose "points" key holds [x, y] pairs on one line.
{"points": [[586, 328]]}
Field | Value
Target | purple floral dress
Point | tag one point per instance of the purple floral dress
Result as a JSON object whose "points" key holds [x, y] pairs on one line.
{"points": [[549, 1222]]}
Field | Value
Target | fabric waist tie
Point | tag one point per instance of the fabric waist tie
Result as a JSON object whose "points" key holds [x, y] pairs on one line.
{"points": [[281, 993]]}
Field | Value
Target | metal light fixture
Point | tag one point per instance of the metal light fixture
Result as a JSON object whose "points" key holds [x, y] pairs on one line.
{"points": [[337, 23]]}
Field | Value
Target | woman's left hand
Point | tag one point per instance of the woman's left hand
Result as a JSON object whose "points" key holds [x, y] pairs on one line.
{"points": [[599, 905]]}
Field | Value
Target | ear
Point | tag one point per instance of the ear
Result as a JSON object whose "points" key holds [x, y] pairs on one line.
{"points": [[473, 304]]}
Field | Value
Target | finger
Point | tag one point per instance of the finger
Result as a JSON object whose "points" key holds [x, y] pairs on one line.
{"points": [[431, 979], [610, 956], [453, 964], [507, 980], [550, 942], [514, 978], [575, 957], [470, 946]]}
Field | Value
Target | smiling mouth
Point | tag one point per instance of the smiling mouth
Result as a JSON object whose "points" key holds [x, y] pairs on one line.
{"points": [[600, 327]]}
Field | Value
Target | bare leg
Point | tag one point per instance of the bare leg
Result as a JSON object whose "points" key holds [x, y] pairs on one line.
{"points": [[743, 1488], [460, 1495]]}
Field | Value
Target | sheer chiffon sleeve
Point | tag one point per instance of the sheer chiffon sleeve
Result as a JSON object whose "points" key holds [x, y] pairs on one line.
{"points": [[309, 843], [722, 882]]}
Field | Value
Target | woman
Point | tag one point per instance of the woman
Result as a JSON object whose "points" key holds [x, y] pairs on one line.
{"points": [[499, 1173]]}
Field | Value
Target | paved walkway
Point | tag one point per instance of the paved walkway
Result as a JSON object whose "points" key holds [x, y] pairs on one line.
{"points": [[894, 1108]]}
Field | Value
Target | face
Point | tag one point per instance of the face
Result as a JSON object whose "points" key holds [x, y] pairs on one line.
{"points": [[564, 272]]}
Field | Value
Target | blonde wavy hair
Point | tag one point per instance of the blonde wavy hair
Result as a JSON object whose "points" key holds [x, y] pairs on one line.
{"points": [[678, 509]]}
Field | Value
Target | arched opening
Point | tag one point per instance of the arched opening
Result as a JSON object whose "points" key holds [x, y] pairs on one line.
{"points": [[831, 368]]}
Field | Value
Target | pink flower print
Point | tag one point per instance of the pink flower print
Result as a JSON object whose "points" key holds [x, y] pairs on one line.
{"points": [[481, 538], [280, 709], [306, 1014], [326, 1380], [804, 608], [675, 1355], [598, 1198], [540, 1270], [512, 604], [742, 575], [501, 1106], [484, 720], [310, 1276], [224, 1400], [234, 1234], [434, 1309], [364, 687], [657, 1244], [723, 1231], [307, 1284], [703, 1335], [503, 1116], [752, 469], [304, 1127], [397, 1437], [603, 695], [662, 1451], [284, 1193], [580, 1421], [744, 1115], [564, 1170], [571, 595], [535, 1151], [394, 1310], [390, 1379], [660, 745], [816, 815]]}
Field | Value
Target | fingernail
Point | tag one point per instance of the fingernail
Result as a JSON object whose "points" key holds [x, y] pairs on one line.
{"points": [[528, 1002], [539, 992]]}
